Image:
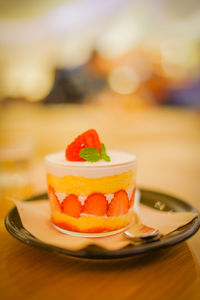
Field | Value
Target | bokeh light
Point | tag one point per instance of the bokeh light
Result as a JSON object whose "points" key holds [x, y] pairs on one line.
{"points": [[28, 81], [123, 80]]}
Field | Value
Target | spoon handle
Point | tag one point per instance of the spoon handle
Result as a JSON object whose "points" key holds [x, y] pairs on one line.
{"points": [[141, 231]]}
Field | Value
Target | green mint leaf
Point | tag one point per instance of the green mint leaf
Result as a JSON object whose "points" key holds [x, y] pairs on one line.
{"points": [[90, 154], [104, 155]]}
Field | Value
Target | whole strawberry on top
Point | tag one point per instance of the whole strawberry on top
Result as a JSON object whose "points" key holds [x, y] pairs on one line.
{"points": [[86, 147]]}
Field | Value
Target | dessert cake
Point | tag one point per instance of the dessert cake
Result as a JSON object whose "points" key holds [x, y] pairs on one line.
{"points": [[91, 192]]}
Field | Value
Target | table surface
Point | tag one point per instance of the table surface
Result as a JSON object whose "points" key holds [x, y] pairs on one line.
{"points": [[167, 144]]}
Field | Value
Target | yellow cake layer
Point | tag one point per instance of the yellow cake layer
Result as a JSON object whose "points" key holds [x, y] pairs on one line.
{"points": [[83, 186], [86, 223]]}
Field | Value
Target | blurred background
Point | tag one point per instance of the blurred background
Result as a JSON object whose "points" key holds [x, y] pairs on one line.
{"points": [[128, 68]]}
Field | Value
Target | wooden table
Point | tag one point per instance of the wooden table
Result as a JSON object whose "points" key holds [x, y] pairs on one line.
{"points": [[167, 144]]}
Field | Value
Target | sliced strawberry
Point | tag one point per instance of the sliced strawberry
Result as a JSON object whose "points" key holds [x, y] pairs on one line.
{"points": [[54, 202], [119, 204], [71, 206], [132, 198], [88, 139], [92, 139], [73, 150], [95, 204]]}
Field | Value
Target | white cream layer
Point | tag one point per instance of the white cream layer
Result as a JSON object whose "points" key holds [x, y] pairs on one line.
{"points": [[120, 162]]}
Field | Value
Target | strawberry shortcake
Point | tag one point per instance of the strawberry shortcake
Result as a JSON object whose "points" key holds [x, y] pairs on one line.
{"points": [[91, 191]]}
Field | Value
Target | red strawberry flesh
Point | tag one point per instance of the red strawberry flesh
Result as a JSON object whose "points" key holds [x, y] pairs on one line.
{"points": [[119, 204], [95, 204], [71, 206], [88, 139]]}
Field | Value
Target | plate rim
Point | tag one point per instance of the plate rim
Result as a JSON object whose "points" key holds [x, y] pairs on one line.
{"points": [[101, 253]]}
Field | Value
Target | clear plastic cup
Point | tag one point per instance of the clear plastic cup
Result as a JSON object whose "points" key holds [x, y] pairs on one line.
{"points": [[92, 199]]}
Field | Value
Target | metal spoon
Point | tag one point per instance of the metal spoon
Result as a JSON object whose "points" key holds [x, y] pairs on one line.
{"points": [[142, 232]]}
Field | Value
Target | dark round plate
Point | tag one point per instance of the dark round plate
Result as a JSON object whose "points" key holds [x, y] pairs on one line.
{"points": [[150, 198]]}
